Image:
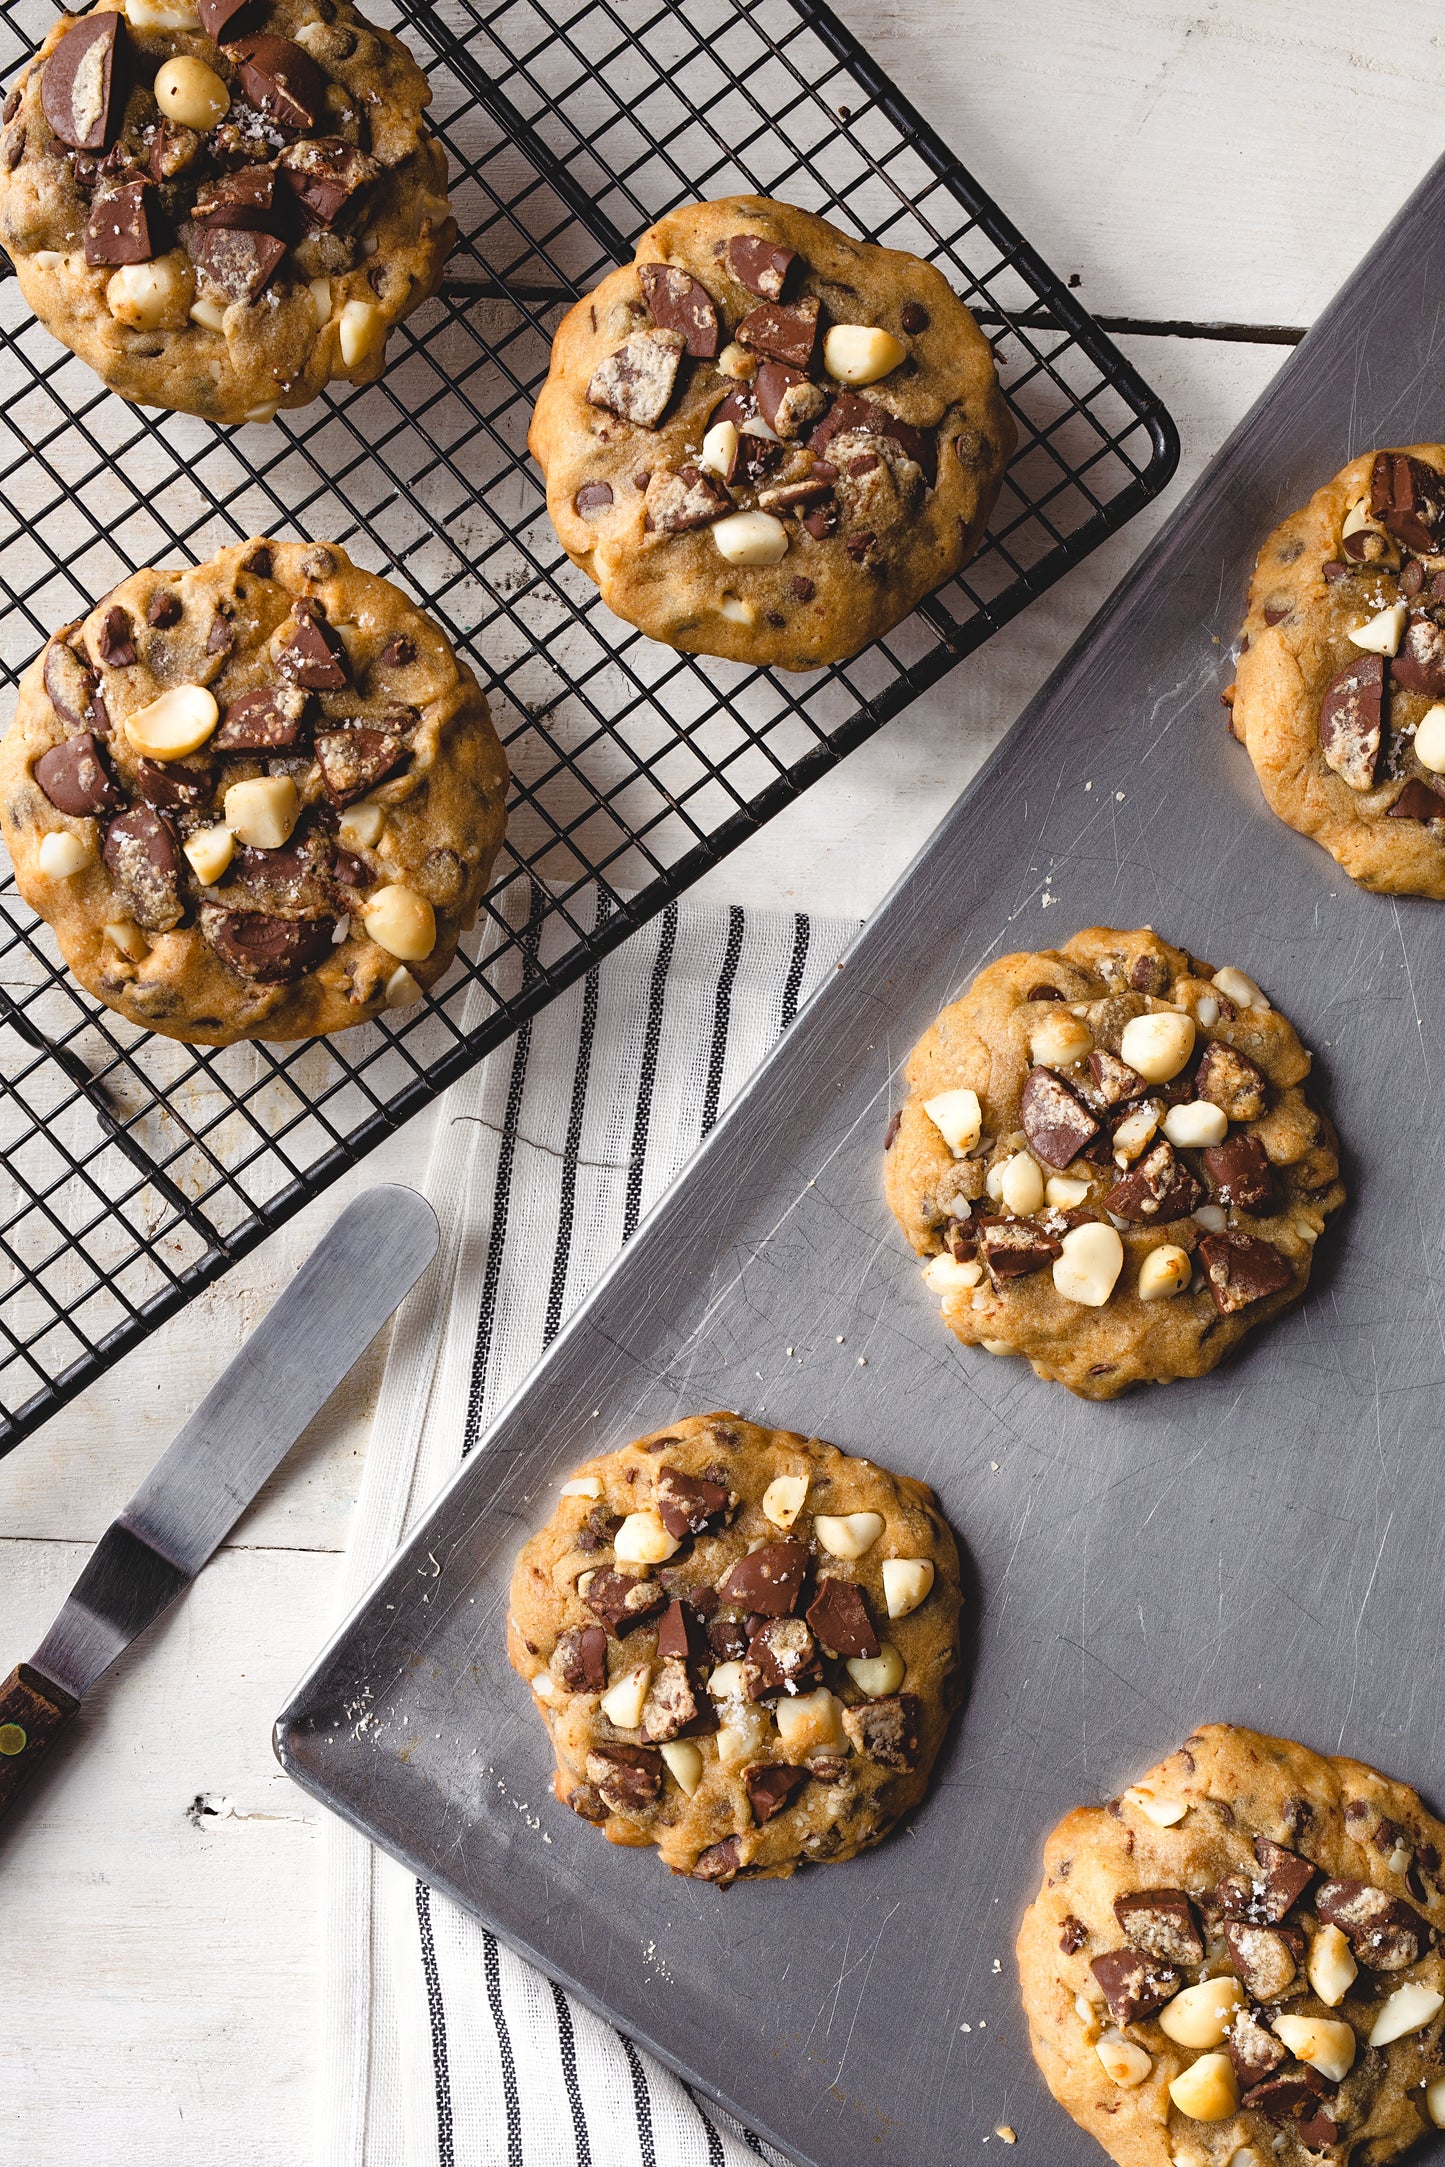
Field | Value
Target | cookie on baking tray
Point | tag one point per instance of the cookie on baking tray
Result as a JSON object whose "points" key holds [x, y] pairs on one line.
{"points": [[743, 1643], [1237, 1963], [1109, 1161], [1340, 692], [766, 440], [257, 799], [222, 205]]}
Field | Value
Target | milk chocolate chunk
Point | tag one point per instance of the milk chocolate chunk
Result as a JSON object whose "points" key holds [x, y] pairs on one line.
{"points": [[70, 683], [1114, 1081], [280, 80], [143, 858], [244, 199], [313, 655], [324, 173], [78, 82], [773, 1788], [76, 777], [787, 399], [689, 498], [1014, 1247], [172, 786], [1420, 664], [400, 653], [1161, 1923], [719, 1862], [674, 1706], [582, 1659], [266, 720], [850, 412], [791, 496], [1383, 1930], [838, 1615], [764, 267], [680, 303], [768, 1580], [783, 330], [1408, 499], [1319, 2131], [216, 14], [1240, 1269], [587, 1801], [1055, 1120], [1417, 801], [785, 1656], [636, 381], [239, 264], [1351, 720], [1286, 1875], [294, 881], [352, 761], [1240, 1173], [1254, 2051], [119, 227], [629, 1777], [1134, 1985], [689, 1504], [887, 1730], [268, 951], [1231, 1082], [622, 1602], [1280, 2099], [1158, 1189], [728, 1642], [1264, 1958], [682, 1636], [117, 640], [591, 497]]}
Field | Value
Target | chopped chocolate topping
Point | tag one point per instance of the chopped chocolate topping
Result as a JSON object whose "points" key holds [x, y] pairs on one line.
{"points": [[783, 331], [773, 1788], [78, 82], [324, 174], [70, 683], [719, 1862], [1114, 1081], [117, 639], [629, 1777], [353, 761], [681, 1636], [1230, 1082], [1149, 974], [764, 267], [1352, 718], [787, 400], [1056, 1122], [294, 881], [216, 14], [636, 381], [1134, 1985], [887, 1730], [1286, 1875], [1420, 664], [1408, 499], [690, 498], [790, 496], [1417, 801], [1255, 2052], [262, 721], [1073, 1934], [1240, 1269], [1383, 1930], [239, 264], [244, 200], [728, 1642], [1161, 1923], [622, 1602], [1240, 1173], [852, 414], [768, 1580], [313, 655], [268, 951], [119, 227], [173, 786], [581, 1659], [1014, 1247], [1279, 2099], [689, 1504], [143, 858], [785, 1656], [1264, 1958], [592, 497], [587, 1801], [679, 303], [675, 1706], [1319, 2131], [76, 777], [280, 80], [1158, 1189], [838, 1615]]}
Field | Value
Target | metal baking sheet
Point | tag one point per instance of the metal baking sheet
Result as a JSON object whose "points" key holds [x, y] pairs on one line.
{"points": [[1262, 1546]]}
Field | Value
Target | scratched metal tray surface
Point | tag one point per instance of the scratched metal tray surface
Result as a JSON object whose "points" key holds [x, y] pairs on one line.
{"points": [[1261, 1546]]}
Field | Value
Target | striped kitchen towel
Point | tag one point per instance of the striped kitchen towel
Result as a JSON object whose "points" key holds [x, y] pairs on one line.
{"points": [[441, 2047]]}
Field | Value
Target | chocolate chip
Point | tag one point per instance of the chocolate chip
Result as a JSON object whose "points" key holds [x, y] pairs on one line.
{"points": [[784, 331], [281, 81], [764, 267], [822, 521], [78, 82], [1230, 1081], [165, 609], [688, 1505], [591, 497], [1240, 1173], [117, 639], [838, 1615], [1408, 499], [1382, 1930], [244, 200], [1134, 1985], [1055, 1120], [787, 399], [719, 1862], [1255, 2052], [1014, 1247], [221, 636], [319, 563], [1332, 571], [858, 545], [400, 653], [324, 175], [313, 655], [143, 858], [1240, 1269], [1319, 2131], [681, 1636], [622, 1602], [628, 1777], [353, 761], [692, 497], [636, 381], [262, 721], [76, 777], [1352, 719], [1161, 1923], [267, 951], [678, 302], [773, 1788], [1363, 547], [784, 1655], [258, 564], [1073, 1934], [768, 1580], [804, 591], [1043, 993], [1275, 615], [1420, 664], [586, 1800], [1159, 1188], [1263, 1957], [914, 318], [240, 265], [352, 871], [1149, 974], [11, 106], [581, 1659], [1417, 801], [172, 786], [119, 227]]}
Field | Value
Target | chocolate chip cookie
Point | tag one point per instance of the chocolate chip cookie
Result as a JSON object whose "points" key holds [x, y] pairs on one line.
{"points": [[1109, 1161], [223, 205], [766, 440], [1238, 1961], [258, 799], [743, 1643], [1340, 694]]}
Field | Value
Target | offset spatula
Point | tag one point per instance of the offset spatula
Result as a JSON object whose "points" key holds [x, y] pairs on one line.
{"points": [[240, 1433]]}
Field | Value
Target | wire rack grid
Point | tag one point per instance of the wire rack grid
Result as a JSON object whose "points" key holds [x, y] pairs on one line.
{"points": [[138, 1169]]}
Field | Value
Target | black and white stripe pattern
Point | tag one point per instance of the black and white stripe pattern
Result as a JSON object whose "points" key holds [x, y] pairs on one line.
{"points": [[444, 2048]]}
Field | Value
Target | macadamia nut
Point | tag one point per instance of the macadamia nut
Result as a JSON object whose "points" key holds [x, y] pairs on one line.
{"points": [[849, 1534], [958, 1118], [401, 922], [1165, 1272], [154, 296], [907, 1582], [262, 811], [175, 724], [861, 353], [1157, 1046], [210, 851], [1201, 2015], [1092, 1259], [751, 538], [643, 1540], [1208, 2090], [63, 855]]}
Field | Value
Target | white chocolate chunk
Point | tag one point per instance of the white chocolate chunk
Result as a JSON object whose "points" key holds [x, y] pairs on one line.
{"points": [[848, 1534], [1157, 1046], [1407, 2010], [1125, 2062], [643, 1540], [622, 1703], [1197, 1124], [1382, 634], [811, 1723], [1208, 2090], [907, 1582], [1200, 2016], [684, 1760], [1430, 739], [719, 448], [1021, 1184], [861, 353], [262, 811], [175, 724], [582, 1486], [126, 935], [877, 1675], [361, 329], [1239, 987], [1057, 1038], [190, 93], [265, 412], [945, 1275], [63, 855], [401, 922], [1166, 1271], [1090, 1264], [1163, 1812], [210, 851], [958, 1118], [750, 538], [784, 1498], [1332, 1967], [1326, 2043]]}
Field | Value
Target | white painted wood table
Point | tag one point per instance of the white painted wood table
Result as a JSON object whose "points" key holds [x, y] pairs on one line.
{"points": [[1211, 173]]}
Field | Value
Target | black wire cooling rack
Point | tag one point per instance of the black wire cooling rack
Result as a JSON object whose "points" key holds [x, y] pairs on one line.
{"points": [[140, 1169]]}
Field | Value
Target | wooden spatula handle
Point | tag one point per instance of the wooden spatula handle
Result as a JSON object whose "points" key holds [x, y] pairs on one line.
{"points": [[33, 1713]]}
